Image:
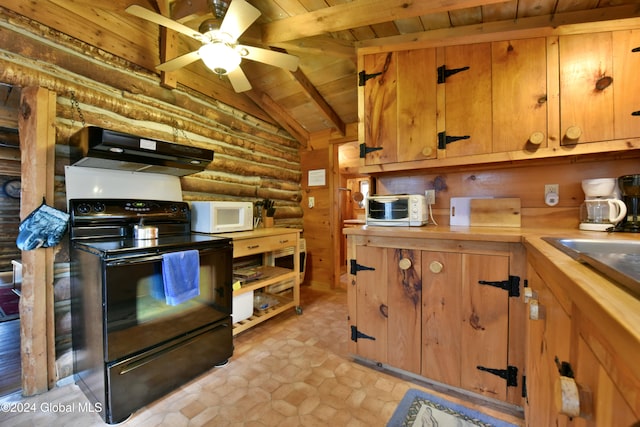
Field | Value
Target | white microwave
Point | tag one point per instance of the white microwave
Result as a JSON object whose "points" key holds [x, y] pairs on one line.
{"points": [[221, 217]]}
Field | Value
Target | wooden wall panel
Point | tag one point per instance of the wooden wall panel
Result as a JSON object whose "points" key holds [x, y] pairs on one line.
{"points": [[525, 181], [317, 225]]}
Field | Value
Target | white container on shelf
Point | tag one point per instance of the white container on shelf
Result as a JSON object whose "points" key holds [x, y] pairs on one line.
{"points": [[242, 306]]}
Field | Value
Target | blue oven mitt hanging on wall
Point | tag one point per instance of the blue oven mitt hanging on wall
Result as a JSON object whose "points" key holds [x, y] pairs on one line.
{"points": [[42, 228]]}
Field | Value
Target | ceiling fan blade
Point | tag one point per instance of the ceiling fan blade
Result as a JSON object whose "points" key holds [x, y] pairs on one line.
{"points": [[277, 59], [179, 62], [238, 18], [156, 18], [238, 80]]}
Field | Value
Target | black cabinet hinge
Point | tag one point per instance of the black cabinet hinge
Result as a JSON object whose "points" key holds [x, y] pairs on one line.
{"points": [[524, 387], [364, 150], [443, 73], [512, 285], [355, 267], [363, 77], [564, 368], [443, 139], [355, 334], [510, 374]]}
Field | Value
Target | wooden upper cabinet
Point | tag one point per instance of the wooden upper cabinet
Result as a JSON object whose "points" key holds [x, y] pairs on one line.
{"points": [[519, 94], [626, 68], [468, 99], [417, 109], [599, 86], [586, 88], [380, 107], [400, 106]]}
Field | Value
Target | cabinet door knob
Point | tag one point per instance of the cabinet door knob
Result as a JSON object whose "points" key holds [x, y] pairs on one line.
{"points": [[571, 399], [573, 133], [536, 138], [535, 312], [436, 267], [528, 294], [404, 264]]}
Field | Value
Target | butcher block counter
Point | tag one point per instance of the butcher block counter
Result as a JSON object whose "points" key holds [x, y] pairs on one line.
{"points": [[409, 287]]}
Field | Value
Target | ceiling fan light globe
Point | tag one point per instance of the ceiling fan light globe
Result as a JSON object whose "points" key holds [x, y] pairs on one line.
{"points": [[219, 57]]}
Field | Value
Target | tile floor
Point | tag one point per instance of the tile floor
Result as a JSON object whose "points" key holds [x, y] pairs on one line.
{"points": [[289, 371]]}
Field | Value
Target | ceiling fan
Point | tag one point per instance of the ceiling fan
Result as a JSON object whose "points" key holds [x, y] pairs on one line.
{"points": [[220, 50]]}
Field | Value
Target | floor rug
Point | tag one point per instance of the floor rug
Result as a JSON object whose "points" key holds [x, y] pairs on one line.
{"points": [[8, 305], [419, 409]]}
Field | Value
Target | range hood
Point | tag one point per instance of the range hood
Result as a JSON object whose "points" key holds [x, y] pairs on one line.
{"points": [[107, 149]]}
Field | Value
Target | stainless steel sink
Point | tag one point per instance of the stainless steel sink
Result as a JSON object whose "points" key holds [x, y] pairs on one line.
{"points": [[617, 259]]}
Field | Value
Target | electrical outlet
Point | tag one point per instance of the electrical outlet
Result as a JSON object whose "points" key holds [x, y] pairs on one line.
{"points": [[312, 201], [550, 188], [430, 195], [551, 194]]}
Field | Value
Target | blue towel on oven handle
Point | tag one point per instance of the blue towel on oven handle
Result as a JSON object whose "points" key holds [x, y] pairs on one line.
{"points": [[181, 276]]}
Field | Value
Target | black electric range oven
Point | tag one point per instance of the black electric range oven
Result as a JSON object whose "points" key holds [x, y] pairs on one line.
{"points": [[131, 344]]}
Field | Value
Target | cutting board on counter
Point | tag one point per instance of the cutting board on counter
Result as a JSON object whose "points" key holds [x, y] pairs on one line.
{"points": [[499, 212], [460, 210]]}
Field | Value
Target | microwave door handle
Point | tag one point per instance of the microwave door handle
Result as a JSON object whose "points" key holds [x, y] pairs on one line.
{"points": [[386, 199]]}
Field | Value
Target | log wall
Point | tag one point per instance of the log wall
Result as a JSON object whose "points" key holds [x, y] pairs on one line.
{"points": [[254, 159]]}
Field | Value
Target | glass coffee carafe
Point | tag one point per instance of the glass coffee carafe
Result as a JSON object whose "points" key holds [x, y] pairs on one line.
{"points": [[603, 211]]}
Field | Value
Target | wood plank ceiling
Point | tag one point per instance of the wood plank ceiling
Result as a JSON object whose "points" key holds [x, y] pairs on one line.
{"points": [[322, 94]]}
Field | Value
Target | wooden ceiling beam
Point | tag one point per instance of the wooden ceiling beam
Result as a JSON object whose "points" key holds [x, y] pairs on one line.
{"points": [[168, 47], [320, 45], [282, 117], [358, 13], [325, 109], [620, 17], [184, 10]]}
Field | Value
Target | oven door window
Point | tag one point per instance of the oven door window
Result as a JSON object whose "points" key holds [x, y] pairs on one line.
{"points": [[137, 315]]}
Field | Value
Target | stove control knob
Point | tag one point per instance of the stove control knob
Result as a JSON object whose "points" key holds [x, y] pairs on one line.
{"points": [[98, 207], [84, 208], [173, 208]]}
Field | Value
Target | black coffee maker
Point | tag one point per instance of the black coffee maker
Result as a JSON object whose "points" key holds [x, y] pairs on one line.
{"points": [[630, 189]]}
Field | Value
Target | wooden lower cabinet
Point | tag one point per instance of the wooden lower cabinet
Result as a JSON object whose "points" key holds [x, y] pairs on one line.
{"points": [[388, 308], [442, 315], [559, 333], [548, 339]]}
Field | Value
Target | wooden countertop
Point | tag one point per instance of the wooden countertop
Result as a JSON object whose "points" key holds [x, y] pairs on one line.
{"points": [[610, 306], [489, 234], [259, 232]]}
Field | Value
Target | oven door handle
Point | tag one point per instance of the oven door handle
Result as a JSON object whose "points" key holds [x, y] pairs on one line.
{"points": [[133, 260], [155, 258]]}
